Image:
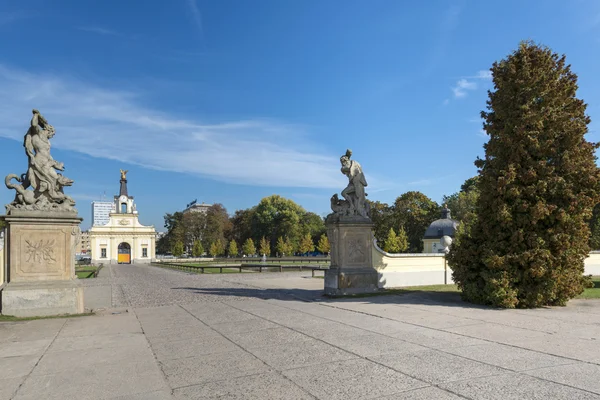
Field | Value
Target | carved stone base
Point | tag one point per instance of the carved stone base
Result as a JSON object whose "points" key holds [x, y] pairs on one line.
{"points": [[340, 282], [41, 247], [40, 257], [351, 270], [37, 299]]}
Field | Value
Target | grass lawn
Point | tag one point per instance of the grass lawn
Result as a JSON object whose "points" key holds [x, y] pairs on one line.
{"points": [[85, 272], [225, 271], [592, 293], [9, 318]]}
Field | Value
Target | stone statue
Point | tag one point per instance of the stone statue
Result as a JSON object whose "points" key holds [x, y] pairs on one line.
{"points": [[124, 174], [46, 184], [355, 203]]}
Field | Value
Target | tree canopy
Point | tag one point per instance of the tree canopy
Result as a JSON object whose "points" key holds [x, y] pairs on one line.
{"points": [[538, 184]]}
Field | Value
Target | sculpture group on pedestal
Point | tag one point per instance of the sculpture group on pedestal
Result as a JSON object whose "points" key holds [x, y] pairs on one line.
{"points": [[46, 193], [354, 205], [349, 229]]}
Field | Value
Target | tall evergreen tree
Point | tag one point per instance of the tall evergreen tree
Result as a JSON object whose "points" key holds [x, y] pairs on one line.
{"points": [[306, 244], [197, 250], [538, 184], [248, 247], [323, 246], [232, 251], [265, 247], [177, 249]]}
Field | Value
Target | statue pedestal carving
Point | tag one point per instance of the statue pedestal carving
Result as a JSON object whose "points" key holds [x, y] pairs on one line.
{"points": [[351, 270], [40, 255]]}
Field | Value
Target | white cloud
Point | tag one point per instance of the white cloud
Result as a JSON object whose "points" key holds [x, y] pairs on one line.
{"points": [[486, 74], [113, 124], [463, 85], [460, 90], [196, 15]]}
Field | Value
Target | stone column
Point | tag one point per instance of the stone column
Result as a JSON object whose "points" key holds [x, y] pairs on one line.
{"points": [[40, 258], [351, 270]]}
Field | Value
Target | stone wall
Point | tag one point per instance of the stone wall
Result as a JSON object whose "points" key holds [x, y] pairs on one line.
{"points": [[396, 270]]}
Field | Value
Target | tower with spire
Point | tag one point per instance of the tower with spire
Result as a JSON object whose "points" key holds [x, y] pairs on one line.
{"points": [[123, 239]]}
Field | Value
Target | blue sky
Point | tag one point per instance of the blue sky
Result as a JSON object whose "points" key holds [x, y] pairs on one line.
{"points": [[231, 101]]}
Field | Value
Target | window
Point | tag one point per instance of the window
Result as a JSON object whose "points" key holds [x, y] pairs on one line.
{"points": [[144, 252], [102, 253], [123, 208]]}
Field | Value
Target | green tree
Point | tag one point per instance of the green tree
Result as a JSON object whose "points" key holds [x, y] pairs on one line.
{"points": [[396, 243], [281, 247], [197, 250], [538, 184], [277, 216], [265, 247], [313, 225], [232, 251], [415, 212], [2, 224], [218, 226], [463, 202], [175, 232], [290, 247], [402, 239], [177, 249], [383, 220], [323, 245], [241, 225], [214, 249], [248, 248], [306, 244], [594, 226]]}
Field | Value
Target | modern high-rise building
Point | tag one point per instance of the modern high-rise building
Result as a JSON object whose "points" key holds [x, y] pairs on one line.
{"points": [[195, 207], [101, 211]]}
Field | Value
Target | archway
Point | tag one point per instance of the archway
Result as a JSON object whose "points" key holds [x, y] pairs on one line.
{"points": [[124, 256]]}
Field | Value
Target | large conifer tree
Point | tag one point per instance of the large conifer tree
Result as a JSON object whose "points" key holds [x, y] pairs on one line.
{"points": [[538, 185]]}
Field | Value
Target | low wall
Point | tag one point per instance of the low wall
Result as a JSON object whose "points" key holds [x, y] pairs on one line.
{"points": [[592, 263], [397, 270], [419, 269], [3, 273]]}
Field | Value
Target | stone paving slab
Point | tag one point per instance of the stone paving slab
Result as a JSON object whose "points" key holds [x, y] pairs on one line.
{"points": [[272, 386], [24, 348], [508, 357], [579, 375], [267, 338], [516, 387], [435, 367], [211, 367], [231, 336], [198, 346], [101, 381], [8, 387], [428, 393], [351, 379]]}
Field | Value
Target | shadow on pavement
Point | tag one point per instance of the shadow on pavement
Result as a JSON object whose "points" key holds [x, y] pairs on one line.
{"points": [[447, 299]]}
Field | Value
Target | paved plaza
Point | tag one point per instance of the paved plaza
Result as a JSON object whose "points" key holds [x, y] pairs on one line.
{"points": [[173, 335]]}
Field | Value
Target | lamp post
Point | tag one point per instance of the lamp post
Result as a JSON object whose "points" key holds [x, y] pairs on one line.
{"points": [[446, 241]]}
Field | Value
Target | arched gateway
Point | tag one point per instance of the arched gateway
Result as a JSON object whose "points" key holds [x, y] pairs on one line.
{"points": [[124, 256]]}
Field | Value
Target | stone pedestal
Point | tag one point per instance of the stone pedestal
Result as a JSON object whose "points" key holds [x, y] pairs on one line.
{"points": [[351, 270], [40, 255]]}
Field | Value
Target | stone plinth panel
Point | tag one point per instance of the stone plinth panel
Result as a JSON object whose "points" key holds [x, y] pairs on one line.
{"points": [[40, 255], [351, 268], [41, 246]]}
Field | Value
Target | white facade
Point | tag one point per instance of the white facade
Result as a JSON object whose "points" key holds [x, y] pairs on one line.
{"points": [[123, 239], [101, 211], [195, 207]]}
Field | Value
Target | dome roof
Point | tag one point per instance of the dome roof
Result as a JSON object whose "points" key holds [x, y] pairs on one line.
{"points": [[445, 226]]}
